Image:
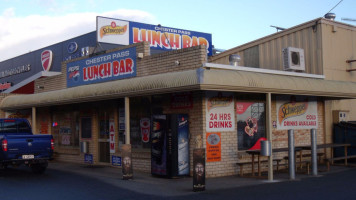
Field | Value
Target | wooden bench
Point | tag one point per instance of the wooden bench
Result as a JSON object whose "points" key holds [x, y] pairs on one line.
{"points": [[241, 164], [330, 161], [300, 162]]}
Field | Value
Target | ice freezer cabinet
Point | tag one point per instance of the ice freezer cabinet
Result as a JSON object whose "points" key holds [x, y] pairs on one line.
{"points": [[170, 145]]}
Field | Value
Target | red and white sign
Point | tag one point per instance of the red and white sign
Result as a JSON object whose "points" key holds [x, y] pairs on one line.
{"points": [[220, 112], [112, 135], [4, 86], [145, 129], [296, 113], [46, 59]]}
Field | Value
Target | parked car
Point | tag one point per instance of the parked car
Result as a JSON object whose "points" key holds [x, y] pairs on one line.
{"points": [[20, 147]]}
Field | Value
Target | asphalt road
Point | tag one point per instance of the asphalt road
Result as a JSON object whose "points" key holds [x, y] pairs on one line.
{"points": [[61, 183]]}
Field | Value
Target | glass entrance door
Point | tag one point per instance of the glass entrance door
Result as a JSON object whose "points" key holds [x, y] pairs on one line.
{"points": [[104, 150]]}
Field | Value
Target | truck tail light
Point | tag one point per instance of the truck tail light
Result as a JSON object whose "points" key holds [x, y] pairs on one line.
{"points": [[4, 145], [52, 144]]}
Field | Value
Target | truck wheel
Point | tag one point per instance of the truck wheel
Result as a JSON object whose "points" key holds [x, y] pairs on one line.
{"points": [[39, 168]]}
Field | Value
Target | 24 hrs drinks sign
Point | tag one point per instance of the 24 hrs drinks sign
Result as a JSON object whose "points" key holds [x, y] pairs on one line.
{"points": [[220, 112]]}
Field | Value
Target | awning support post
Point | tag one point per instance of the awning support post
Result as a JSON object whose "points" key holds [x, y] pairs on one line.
{"points": [[314, 162], [34, 128], [127, 120], [291, 151], [269, 135]]}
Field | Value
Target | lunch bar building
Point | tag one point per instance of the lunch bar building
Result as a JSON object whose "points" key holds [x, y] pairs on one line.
{"points": [[95, 98]]}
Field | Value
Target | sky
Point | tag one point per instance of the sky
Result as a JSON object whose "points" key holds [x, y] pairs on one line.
{"points": [[28, 25]]}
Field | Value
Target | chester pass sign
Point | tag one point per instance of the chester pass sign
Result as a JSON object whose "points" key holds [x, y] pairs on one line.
{"points": [[107, 67]]}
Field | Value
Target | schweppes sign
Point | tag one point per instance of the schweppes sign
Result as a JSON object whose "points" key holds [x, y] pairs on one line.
{"points": [[216, 102], [296, 113], [112, 30], [289, 110]]}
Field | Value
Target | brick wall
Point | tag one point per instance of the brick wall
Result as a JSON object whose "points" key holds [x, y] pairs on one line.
{"points": [[189, 58]]}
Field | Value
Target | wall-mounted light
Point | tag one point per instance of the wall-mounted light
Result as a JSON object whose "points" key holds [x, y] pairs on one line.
{"points": [[177, 62]]}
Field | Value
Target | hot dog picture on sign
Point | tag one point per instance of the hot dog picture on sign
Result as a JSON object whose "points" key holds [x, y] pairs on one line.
{"points": [[251, 117]]}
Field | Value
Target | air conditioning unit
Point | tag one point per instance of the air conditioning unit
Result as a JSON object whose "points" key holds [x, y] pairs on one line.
{"points": [[293, 59], [340, 116]]}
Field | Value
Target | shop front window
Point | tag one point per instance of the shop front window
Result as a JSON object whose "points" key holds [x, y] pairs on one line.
{"points": [[140, 123], [66, 129]]}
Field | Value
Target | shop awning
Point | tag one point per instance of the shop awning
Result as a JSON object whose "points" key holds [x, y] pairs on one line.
{"points": [[190, 80], [30, 82]]}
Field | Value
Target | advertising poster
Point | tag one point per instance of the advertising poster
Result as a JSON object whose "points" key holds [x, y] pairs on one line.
{"points": [[106, 67], [296, 113], [213, 147], [251, 123], [123, 32], [112, 135], [145, 125], [127, 172], [198, 170], [183, 145], [220, 112]]}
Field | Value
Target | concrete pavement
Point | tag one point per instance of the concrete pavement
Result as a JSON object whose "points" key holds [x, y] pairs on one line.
{"points": [[145, 183]]}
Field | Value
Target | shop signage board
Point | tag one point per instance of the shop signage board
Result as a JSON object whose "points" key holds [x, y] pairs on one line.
{"points": [[296, 113], [213, 147], [115, 31], [116, 160], [88, 158], [219, 112], [4, 86], [106, 67]]}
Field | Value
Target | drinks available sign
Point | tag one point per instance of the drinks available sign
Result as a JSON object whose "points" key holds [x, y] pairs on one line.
{"points": [[296, 113]]}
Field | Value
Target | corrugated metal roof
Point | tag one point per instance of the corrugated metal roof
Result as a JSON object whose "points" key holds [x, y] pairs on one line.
{"points": [[200, 79], [243, 81]]}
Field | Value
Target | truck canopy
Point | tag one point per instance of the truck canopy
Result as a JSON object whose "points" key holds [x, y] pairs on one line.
{"points": [[14, 126]]}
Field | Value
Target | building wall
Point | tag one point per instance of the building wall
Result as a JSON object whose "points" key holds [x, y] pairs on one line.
{"points": [[266, 53], [339, 42]]}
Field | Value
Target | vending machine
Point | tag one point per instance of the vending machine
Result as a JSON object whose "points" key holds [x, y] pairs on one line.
{"points": [[170, 145]]}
